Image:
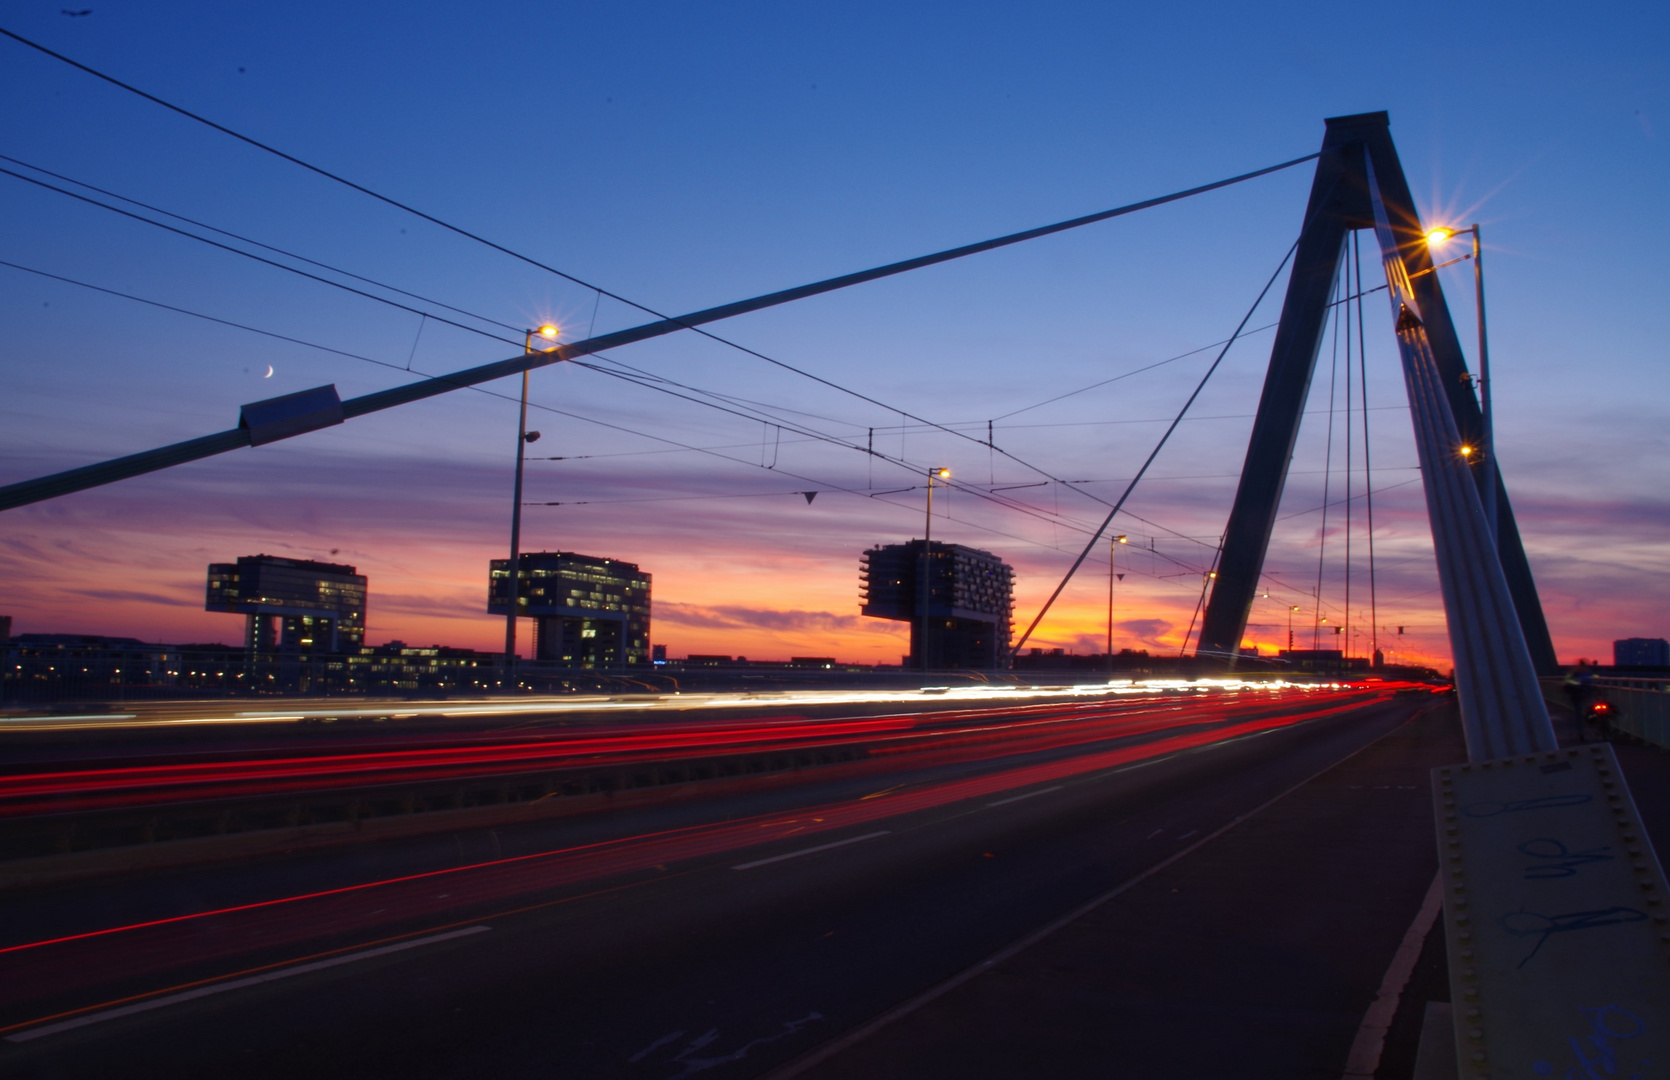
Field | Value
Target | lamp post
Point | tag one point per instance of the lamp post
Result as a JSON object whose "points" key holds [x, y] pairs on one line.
{"points": [[1487, 437], [927, 566], [1113, 548], [1290, 612], [523, 438]]}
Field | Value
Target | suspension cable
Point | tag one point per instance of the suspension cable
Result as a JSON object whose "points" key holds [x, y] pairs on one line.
{"points": [[1157, 448], [1368, 470], [1327, 480], [1345, 625]]}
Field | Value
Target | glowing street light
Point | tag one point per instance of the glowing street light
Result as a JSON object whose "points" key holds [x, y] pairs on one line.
{"points": [[1487, 450], [549, 332], [938, 473]]}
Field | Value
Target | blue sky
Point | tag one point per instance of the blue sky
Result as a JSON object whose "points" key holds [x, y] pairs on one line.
{"points": [[689, 154]]}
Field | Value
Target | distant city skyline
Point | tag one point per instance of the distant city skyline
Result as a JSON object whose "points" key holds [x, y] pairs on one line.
{"points": [[686, 158]]}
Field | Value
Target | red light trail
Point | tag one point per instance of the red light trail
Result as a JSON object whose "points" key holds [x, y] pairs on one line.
{"points": [[60, 967]]}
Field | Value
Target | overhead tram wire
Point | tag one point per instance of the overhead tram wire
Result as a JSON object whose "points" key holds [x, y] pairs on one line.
{"points": [[677, 447], [812, 435], [1157, 447], [767, 409], [823, 485], [28, 491], [980, 493], [687, 322], [251, 255], [1170, 360], [264, 246], [313, 262], [288, 254], [313, 277]]}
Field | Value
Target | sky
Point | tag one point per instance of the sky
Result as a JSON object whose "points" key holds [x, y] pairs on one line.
{"points": [[686, 155]]}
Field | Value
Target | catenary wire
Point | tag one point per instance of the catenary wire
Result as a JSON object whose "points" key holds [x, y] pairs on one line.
{"points": [[1158, 446], [839, 282], [265, 247]]}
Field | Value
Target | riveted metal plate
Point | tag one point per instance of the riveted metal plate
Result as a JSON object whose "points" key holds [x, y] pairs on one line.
{"points": [[1557, 920]]}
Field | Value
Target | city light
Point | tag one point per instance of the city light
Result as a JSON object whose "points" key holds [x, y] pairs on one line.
{"points": [[1439, 235]]}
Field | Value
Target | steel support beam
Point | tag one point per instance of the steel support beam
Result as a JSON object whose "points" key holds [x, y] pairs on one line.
{"points": [[1336, 206], [25, 492], [1339, 203], [1457, 388], [1502, 708]]}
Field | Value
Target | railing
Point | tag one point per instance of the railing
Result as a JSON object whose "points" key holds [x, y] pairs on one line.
{"points": [[1642, 707], [33, 677]]}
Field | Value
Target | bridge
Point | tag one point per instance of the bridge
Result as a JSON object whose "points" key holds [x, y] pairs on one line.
{"points": [[883, 881]]}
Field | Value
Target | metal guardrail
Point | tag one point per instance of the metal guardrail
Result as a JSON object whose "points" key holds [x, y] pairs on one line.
{"points": [[1641, 704], [1642, 708]]}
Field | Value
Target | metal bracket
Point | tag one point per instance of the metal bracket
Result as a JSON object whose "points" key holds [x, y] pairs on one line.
{"points": [[1555, 917], [293, 414]]}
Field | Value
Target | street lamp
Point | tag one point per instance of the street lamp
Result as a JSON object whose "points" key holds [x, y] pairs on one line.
{"points": [[1290, 612], [1435, 238], [523, 437], [940, 473], [1113, 546]]}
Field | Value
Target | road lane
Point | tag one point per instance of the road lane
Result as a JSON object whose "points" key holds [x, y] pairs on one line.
{"points": [[951, 879], [55, 968]]}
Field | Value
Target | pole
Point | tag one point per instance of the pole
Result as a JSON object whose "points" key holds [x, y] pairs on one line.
{"points": [[1113, 547], [508, 682], [1489, 433], [927, 568]]}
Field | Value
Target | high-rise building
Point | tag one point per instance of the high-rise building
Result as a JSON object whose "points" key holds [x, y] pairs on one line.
{"points": [[291, 605], [589, 612], [1641, 652], [970, 601]]}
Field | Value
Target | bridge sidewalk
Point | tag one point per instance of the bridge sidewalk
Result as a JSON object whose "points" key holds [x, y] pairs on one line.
{"points": [[1254, 956]]}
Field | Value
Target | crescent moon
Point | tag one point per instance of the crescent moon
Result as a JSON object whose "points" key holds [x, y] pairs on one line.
{"points": [[269, 373]]}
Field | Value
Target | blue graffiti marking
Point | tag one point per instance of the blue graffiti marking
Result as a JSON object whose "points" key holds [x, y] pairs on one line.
{"points": [[1543, 927], [1547, 802], [1562, 863]]}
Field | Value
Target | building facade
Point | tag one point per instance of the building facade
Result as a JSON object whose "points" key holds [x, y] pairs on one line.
{"points": [[291, 605], [1641, 652], [970, 602], [589, 612]]}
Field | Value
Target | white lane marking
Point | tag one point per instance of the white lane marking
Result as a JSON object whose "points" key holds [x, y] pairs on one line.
{"points": [[235, 984], [654, 1046], [1364, 1059], [806, 1062], [811, 850], [1153, 834], [1028, 795], [1191, 832]]}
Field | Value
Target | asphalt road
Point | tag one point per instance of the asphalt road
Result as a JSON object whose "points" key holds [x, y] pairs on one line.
{"points": [[730, 946]]}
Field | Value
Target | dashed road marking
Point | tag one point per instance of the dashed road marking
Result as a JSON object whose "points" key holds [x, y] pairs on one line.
{"points": [[235, 984], [1028, 795], [811, 850]]}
